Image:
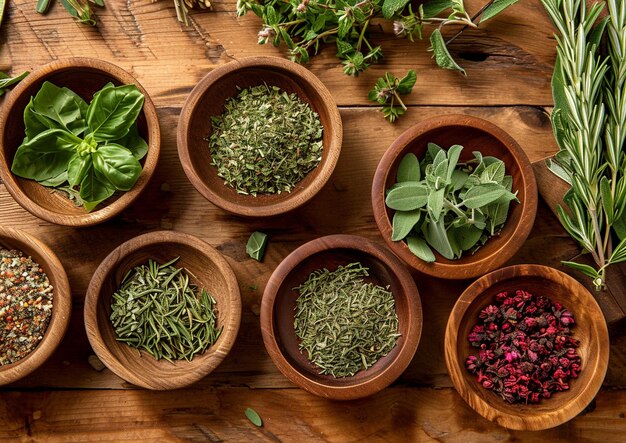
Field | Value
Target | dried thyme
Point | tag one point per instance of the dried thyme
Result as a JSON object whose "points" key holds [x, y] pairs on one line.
{"points": [[266, 141], [158, 310], [26, 297], [345, 324]]}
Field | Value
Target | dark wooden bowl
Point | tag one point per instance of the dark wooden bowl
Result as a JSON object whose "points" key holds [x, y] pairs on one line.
{"points": [[61, 302], [590, 328], [208, 270], [84, 76], [208, 98], [474, 134], [279, 301]]}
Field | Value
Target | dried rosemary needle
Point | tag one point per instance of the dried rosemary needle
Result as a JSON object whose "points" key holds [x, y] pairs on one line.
{"points": [[344, 324]]}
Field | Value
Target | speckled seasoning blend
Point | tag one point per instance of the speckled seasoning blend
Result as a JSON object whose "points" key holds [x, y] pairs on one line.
{"points": [[527, 349], [25, 305]]}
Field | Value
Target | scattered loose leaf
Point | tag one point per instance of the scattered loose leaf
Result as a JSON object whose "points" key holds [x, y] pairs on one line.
{"points": [[253, 417], [441, 54], [256, 245]]}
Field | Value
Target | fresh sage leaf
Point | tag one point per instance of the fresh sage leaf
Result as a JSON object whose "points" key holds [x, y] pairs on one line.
{"points": [[408, 169], [403, 223], [254, 417], [458, 179], [496, 8], [256, 245], [453, 158], [494, 173], [467, 236], [44, 156], [410, 196], [482, 195], [390, 7], [437, 237], [435, 204], [113, 111], [441, 54], [420, 248], [117, 165]]}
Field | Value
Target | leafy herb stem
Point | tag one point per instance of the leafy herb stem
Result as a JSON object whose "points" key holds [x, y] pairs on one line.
{"points": [[472, 21]]}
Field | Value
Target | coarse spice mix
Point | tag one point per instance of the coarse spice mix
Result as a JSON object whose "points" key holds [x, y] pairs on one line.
{"points": [[26, 297]]}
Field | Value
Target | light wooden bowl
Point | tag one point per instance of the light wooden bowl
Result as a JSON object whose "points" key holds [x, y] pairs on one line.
{"points": [[61, 302], [208, 98], [474, 134], [84, 76], [279, 301], [590, 328], [211, 271]]}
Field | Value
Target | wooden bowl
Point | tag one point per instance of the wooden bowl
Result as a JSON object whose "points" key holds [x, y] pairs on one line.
{"points": [[279, 301], [208, 270], [207, 100], [84, 76], [61, 303], [590, 328], [474, 134]]}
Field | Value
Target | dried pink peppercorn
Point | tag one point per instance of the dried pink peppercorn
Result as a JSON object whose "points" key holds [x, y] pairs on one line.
{"points": [[526, 350]]}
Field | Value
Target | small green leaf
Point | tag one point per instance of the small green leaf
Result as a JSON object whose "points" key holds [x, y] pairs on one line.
{"points": [[407, 82], [253, 417], [482, 195], [6, 81], [458, 179], [94, 190], [467, 236], [390, 7], [420, 248], [77, 168], [607, 200], [435, 203], [494, 173], [403, 222], [441, 54], [585, 269], [409, 169], [433, 8], [409, 196], [496, 8], [453, 158], [436, 236], [256, 245], [55, 181]]}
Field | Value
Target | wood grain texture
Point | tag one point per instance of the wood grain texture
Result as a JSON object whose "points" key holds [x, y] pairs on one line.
{"points": [[84, 76], [61, 302], [207, 100], [473, 134], [590, 329], [279, 304], [207, 269]]}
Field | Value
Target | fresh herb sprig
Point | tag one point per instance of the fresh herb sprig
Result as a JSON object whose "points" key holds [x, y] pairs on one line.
{"points": [[589, 122], [7, 81], [387, 91], [305, 25], [95, 147], [448, 206], [79, 9]]}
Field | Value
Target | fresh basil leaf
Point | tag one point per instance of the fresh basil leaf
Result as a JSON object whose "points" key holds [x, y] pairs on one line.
{"points": [[6, 81], [409, 196], [436, 236], [496, 8], [77, 168], [93, 189], [34, 123], [134, 142], [256, 245], [440, 52], [408, 169], [420, 248], [117, 165], [44, 156], [435, 203], [482, 195], [113, 110], [55, 181], [407, 82], [62, 106], [403, 223]]}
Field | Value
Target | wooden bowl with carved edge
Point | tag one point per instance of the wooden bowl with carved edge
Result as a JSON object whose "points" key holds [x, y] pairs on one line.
{"points": [[279, 301], [207, 99], [589, 328], [84, 76], [208, 269], [61, 302], [474, 134]]}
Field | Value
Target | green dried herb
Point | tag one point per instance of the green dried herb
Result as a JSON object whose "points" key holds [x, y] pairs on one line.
{"points": [[266, 141], [345, 324], [455, 207], [253, 417], [256, 245], [158, 310]]}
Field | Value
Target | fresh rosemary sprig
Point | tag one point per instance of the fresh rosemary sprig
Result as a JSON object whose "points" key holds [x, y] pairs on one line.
{"points": [[591, 136]]}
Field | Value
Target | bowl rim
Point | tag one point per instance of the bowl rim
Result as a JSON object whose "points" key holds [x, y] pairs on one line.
{"points": [[127, 198], [455, 270], [291, 201], [395, 368], [110, 263], [62, 303], [519, 422]]}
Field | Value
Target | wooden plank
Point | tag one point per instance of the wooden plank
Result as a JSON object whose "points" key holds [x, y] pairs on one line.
{"points": [[398, 414], [508, 61]]}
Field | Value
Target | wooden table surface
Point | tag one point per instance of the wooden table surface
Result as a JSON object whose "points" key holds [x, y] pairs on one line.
{"points": [[509, 63]]}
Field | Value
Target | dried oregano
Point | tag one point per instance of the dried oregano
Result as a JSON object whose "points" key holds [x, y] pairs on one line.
{"points": [[266, 141]]}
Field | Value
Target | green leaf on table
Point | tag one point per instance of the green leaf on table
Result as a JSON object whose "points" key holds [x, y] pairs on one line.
{"points": [[407, 196], [496, 8], [253, 417], [5, 80], [435, 7], [420, 248], [619, 226], [403, 223], [482, 195], [408, 169], [256, 245], [441, 54], [390, 7], [134, 142], [406, 83], [113, 111], [61, 107], [44, 156], [117, 165], [94, 190]]}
